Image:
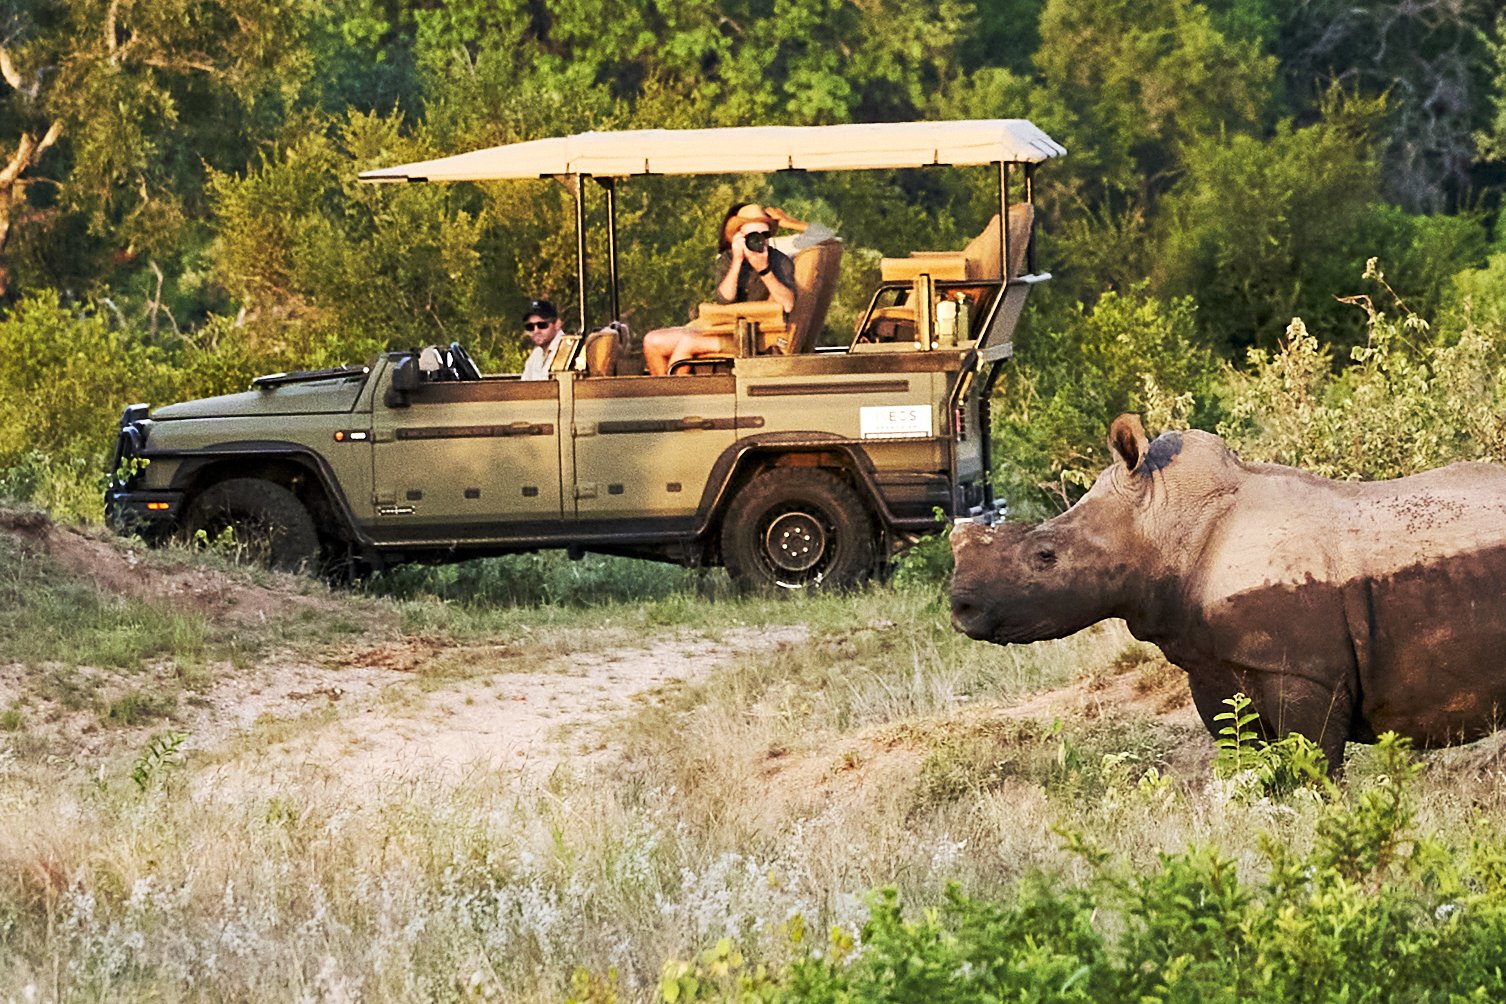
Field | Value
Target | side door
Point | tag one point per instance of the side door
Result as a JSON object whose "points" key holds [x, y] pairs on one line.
{"points": [[470, 459], [644, 446]]}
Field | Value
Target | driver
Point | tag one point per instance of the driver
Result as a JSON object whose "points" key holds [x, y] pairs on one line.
{"points": [[541, 323]]}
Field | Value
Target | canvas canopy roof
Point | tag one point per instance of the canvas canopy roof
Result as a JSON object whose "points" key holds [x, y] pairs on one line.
{"points": [[742, 150]]}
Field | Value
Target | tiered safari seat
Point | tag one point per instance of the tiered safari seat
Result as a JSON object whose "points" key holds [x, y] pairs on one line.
{"points": [[977, 263]]}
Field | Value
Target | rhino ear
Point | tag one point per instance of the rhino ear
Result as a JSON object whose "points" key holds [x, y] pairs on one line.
{"points": [[1127, 440]]}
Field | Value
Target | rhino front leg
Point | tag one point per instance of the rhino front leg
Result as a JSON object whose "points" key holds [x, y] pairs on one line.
{"points": [[1286, 703]]}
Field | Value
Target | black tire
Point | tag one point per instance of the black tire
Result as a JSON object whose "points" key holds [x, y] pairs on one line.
{"points": [[270, 525], [798, 528]]}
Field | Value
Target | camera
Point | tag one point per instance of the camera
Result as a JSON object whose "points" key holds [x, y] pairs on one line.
{"points": [[757, 242]]}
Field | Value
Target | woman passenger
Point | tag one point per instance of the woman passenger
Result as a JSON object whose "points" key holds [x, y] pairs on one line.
{"points": [[750, 271]]}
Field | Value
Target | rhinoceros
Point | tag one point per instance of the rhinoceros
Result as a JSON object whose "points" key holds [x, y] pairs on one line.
{"points": [[1342, 609]]}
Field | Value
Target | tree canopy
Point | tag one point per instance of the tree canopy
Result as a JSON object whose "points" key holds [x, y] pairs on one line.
{"points": [[184, 170]]}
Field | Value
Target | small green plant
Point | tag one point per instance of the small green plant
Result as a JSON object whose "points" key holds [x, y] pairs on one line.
{"points": [[161, 756], [222, 543], [928, 563], [1275, 768], [140, 706], [1237, 743], [720, 973]]}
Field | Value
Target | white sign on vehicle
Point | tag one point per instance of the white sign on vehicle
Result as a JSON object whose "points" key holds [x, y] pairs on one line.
{"points": [[895, 422]]}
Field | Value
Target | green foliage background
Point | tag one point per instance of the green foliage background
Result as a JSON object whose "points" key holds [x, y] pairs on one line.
{"points": [[179, 210]]}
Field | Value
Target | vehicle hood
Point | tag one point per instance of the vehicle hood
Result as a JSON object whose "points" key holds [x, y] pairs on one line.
{"points": [[338, 395]]}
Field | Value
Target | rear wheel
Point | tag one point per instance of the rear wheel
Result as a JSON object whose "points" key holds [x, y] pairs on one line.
{"points": [[266, 522], [798, 528]]}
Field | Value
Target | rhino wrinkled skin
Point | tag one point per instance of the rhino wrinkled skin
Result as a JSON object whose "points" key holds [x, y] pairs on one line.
{"points": [[1342, 609]]}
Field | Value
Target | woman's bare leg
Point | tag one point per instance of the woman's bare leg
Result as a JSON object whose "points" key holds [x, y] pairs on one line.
{"points": [[693, 343], [658, 346]]}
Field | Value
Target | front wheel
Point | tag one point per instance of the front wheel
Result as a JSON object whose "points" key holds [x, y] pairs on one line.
{"points": [[798, 528], [266, 522]]}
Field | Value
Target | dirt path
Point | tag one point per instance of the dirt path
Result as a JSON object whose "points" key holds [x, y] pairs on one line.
{"points": [[370, 725]]}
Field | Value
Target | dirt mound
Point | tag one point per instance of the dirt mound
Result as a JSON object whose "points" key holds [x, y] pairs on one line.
{"points": [[123, 568], [1146, 686], [870, 770]]}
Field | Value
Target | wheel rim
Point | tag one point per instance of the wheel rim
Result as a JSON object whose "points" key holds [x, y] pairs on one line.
{"points": [[797, 546]]}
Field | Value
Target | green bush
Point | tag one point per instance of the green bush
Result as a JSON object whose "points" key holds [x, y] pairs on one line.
{"points": [[1369, 912], [65, 375], [1130, 352], [1409, 401]]}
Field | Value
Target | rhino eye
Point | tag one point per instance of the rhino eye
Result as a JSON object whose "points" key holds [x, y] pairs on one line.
{"points": [[1044, 557]]}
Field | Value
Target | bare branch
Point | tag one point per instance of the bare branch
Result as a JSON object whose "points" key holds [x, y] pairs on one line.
{"points": [[19, 161], [50, 137], [109, 26], [9, 72], [201, 63], [28, 152]]}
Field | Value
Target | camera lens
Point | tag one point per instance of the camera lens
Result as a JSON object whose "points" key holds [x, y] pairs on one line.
{"points": [[756, 241]]}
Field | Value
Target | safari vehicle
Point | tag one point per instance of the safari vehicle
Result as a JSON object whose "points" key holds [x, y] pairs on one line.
{"points": [[792, 465]]}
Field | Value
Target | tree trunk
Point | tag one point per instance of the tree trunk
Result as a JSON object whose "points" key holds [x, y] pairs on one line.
{"points": [[13, 188]]}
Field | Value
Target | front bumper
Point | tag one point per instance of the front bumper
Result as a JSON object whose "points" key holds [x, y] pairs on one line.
{"points": [[149, 514]]}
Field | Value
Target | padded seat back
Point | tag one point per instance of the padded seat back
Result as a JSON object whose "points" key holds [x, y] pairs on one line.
{"points": [[978, 262], [603, 347], [982, 252], [940, 265], [816, 271]]}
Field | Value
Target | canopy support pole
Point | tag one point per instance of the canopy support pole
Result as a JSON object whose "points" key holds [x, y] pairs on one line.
{"points": [[579, 190], [1004, 221], [610, 186], [1030, 198]]}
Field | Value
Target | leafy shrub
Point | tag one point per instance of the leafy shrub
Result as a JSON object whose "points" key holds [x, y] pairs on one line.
{"points": [[68, 487], [928, 563], [1408, 403], [1130, 352], [1261, 229], [1369, 912], [65, 375]]}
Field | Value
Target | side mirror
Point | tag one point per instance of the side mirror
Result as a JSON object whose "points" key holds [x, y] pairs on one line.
{"points": [[405, 380]]}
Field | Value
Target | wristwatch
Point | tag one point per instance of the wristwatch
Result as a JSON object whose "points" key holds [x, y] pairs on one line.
{"points": [[766, 270]]}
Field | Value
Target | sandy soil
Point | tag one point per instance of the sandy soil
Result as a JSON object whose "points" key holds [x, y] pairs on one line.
{"points": [[507, 717]]}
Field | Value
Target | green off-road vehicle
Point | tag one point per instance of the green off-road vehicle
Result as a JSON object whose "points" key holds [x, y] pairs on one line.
{"points": [[791, 464]]}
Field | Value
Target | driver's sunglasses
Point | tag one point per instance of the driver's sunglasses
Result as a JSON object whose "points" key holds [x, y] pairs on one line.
{"points": [[536, 325]]}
